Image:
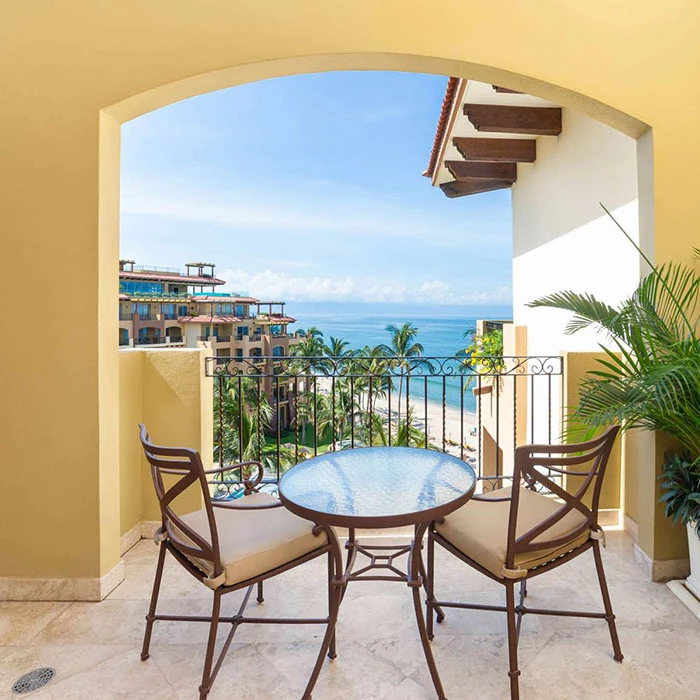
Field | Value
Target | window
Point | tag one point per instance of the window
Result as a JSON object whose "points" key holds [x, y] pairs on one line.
{"points": [[143, 310], [278, 351], [168, 311], [224, 309], [242, 330], [182, 311], [131, 287], [241, 310]]}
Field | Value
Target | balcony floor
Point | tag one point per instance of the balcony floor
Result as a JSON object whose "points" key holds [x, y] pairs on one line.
{"points": [[95, 646]]}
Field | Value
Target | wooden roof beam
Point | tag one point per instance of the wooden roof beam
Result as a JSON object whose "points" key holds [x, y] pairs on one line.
{"points": [[509, 119], [496, 150], [506, 90], [466, 187], [465, 170]]}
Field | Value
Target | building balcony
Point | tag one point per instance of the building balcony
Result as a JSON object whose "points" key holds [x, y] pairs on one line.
{"points": [[159, 340], [97, 645], [215, 338]]}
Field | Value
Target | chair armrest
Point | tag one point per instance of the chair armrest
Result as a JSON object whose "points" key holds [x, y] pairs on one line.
{"points": [[250, 484]]}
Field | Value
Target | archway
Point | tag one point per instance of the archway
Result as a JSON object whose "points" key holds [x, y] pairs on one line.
{"points": [[230, 78]]}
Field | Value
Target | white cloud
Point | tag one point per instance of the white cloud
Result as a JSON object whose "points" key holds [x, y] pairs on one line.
{"points": [[281, 286]]}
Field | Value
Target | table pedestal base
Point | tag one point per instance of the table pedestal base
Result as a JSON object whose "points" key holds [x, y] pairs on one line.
{"points": [[382, 559]]}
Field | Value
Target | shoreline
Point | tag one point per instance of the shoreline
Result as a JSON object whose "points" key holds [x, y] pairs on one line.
{"points": [[455, 425]]}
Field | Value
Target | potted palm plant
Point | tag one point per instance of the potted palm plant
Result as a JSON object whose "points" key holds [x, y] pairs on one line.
{"points": [[650, 376]]}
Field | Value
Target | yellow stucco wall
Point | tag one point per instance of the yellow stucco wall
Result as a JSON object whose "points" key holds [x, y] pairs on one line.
{"points": [[132, 463], [72, 70], [576, 364], [167, 391]]}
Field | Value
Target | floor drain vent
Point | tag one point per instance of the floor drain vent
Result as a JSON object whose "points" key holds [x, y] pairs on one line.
{"points": [[33, 680]]}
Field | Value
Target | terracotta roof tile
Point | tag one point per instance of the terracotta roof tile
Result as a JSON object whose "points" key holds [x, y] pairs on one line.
{"points": [[447, 100], [172, 277]]}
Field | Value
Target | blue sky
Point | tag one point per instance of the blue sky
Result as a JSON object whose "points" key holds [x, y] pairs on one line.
{"points": [[309, 189]]}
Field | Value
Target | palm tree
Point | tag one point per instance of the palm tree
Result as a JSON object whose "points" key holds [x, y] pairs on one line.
{"points": [[373, 379], [246, 415], [336, 348], [316, 409], [402, 347], [407, 435], [344, 404], [312, 347]]}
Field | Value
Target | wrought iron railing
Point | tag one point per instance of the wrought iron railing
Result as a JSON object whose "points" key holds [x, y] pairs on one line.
{"points": [[150, 340], [478, 410]]}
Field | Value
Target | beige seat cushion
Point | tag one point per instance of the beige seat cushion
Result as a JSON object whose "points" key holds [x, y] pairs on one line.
{"points": [[253, 541], [480, 530]]}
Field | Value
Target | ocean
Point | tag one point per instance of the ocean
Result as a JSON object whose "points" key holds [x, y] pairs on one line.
{"points": [[440, 337]]}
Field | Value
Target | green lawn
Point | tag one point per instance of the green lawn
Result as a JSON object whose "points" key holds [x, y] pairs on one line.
{"points": [[289, 437]]}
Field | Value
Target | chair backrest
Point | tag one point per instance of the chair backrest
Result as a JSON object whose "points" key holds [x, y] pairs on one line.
{"points": [[182, 468], [535, 465]]}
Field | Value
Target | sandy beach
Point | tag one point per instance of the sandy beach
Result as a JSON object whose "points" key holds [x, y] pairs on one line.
{"points": [[455, 426]]}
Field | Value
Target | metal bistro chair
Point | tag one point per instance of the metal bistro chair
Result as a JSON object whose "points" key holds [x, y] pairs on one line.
{"points": [[232, 545], [516, 533]]}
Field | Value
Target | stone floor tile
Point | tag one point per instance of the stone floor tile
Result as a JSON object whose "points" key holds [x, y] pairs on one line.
{"points": [[573, 665], [143, 552], [69, 659], [358, 674], [14, 663], [245, 673], [21, 622], [108, 622], [123, 676]]}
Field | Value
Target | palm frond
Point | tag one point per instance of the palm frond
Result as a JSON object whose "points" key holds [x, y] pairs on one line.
{"points": [[588, 311]]}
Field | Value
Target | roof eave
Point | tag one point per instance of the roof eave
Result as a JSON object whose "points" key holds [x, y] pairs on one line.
{"points": [[448, 113]]}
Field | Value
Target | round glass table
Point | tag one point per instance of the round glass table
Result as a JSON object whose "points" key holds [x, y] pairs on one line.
{"points": [[380, 487]]}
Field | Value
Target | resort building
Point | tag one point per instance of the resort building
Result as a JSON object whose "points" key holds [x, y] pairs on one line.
{"points": [[166, 307]]}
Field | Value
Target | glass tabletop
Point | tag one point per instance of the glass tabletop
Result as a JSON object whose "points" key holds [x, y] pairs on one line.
{"points": [[377, 486]]}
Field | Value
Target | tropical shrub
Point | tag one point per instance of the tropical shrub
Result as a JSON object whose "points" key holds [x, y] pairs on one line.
{"points": [[650, 376]]}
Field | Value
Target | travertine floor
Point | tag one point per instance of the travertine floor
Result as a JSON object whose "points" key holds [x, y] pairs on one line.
{"points": [[95, 646]]}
